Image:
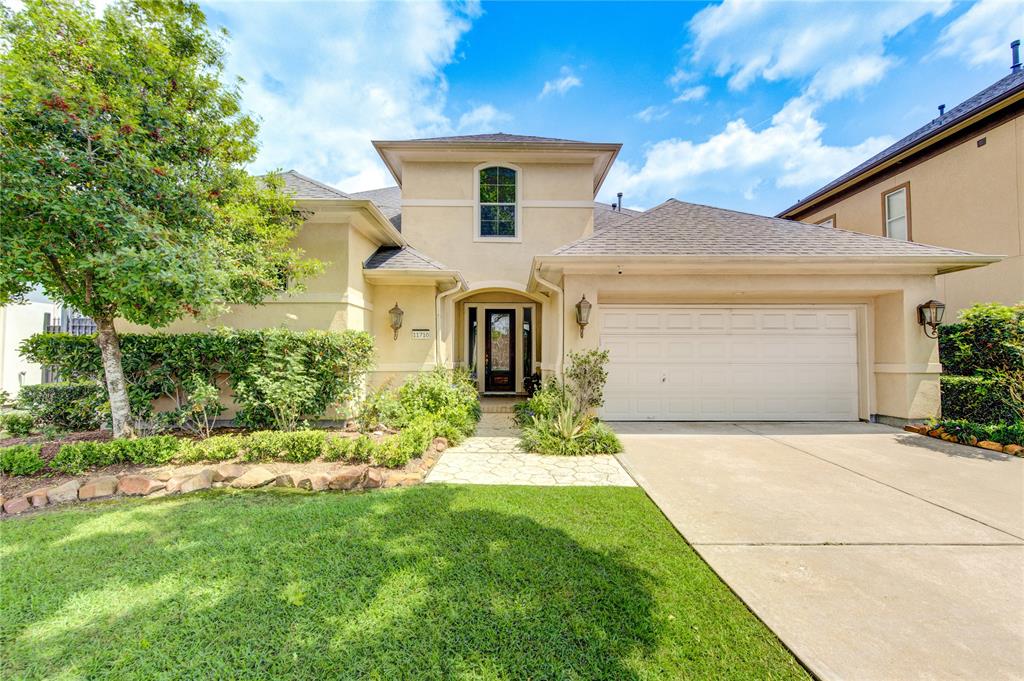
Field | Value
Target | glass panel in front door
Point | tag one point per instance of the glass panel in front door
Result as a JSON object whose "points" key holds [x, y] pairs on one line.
{"points": [[500, 351]]}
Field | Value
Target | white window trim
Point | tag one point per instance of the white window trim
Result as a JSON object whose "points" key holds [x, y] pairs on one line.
{"points": [[906, 212], [477, 236]]}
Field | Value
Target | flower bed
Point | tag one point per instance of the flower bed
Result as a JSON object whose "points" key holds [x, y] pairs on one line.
{"points": [[1008, 439]]}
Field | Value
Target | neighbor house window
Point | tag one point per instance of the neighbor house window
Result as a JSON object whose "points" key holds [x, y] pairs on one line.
{"points": [[498, 202], [896, 207]]}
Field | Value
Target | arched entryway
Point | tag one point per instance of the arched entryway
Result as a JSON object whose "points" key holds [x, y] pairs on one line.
{"points": [[498, 338]]}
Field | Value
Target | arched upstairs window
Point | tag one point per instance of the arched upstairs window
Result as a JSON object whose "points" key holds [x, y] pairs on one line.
{"points": [[497, 197]]}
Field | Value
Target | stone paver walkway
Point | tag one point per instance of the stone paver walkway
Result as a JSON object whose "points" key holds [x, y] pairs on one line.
{"points": [[492, 457]]}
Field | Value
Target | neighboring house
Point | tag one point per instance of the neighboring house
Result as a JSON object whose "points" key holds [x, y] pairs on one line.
{"points": [[957, 182], [490, 243], [17, 322]]}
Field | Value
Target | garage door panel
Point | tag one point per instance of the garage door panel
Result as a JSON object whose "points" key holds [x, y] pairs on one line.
{"points": [[731, 363]]}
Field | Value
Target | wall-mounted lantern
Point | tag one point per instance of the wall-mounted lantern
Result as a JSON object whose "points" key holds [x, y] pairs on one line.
{"points": [[583, 313], [396, 318], [929, 316]]}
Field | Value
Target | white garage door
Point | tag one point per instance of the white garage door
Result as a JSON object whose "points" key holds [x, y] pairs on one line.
{"points": [[730, 363]]}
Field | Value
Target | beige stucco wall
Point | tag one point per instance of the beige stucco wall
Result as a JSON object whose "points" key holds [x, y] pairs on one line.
{"points": [[401, 357], [439, 216], [968, 197], [899, 369]]}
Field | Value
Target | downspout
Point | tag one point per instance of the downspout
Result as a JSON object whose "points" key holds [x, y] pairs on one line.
{"points": [[560, 325], [437, 317]]}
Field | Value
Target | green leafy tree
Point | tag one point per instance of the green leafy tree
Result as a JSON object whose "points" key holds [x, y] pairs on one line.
{"points": [[122, 153]]}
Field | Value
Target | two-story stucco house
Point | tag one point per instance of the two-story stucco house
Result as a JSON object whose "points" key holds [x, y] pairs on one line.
{"points": [[957, 181], [490, 244]]}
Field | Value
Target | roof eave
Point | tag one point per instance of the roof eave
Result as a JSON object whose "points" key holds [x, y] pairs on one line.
{"points": [[412, 276], [387, 232], [939, 264], [940, 134]]}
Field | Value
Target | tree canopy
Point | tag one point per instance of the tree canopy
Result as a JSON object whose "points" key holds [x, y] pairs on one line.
{"points": [[124, 192]]}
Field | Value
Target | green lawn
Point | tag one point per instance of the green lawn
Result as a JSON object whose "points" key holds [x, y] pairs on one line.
{"points": [[428, 582]]}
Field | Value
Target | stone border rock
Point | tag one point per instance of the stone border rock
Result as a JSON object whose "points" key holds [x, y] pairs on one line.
{"points": [[941, 434], [168, 481]]}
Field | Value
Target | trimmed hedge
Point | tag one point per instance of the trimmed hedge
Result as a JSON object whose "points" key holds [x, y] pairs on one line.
{"points": [[981, 399], [75, 457], [156, 365], [988, 337], [67, 405]]}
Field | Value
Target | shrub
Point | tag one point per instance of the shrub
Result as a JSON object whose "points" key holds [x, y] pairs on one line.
{"points": [[543, 403], [160, 364], [21, 460], [338, 448], [381, 409], [409, 443], [589, 437], [201, 409], [216, 448], [76, 457], [278, 388], [17, 423], [362, 449], [296, 447], [585, 377], [71, 405], [982, 398], [988, 337], [1003, 433]]}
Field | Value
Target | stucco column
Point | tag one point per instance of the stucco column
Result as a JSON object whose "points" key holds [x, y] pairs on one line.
{"points": [[906, 361]]}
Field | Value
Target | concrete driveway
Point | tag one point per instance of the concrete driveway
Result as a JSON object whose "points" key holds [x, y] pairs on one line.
{"points": [[873, 553]]}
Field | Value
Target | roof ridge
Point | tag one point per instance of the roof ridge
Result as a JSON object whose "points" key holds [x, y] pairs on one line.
{"points": [[316, 182]]}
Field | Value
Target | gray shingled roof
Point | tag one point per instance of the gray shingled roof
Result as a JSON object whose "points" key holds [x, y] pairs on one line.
{"points": [[675, 228], [605, 216], [402, 258], [388, 200], [1001, 89], [302, 187], [499, 138]]}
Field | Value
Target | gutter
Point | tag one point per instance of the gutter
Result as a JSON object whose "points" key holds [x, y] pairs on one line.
{"points": [[440, 296], [560, 326]]}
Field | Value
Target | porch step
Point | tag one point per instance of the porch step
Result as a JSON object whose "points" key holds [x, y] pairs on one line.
{"points": [[498, 405]]}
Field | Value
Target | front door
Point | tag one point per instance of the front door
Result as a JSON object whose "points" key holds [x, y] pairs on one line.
{"points": [[500, 351]]}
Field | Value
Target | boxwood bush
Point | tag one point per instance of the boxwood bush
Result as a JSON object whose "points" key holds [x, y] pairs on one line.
{"points": [[160, 364], [67, 405], [76, 457], [17, 423], [21, 460], [981, 399]]}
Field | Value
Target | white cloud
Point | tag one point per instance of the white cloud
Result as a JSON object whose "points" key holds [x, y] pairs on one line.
{"points": [[651, 113], [482, 119], [790, 150], [679, 77], [560, 85], [982, 34], [328, 78], [748, 40], [692, 94]]}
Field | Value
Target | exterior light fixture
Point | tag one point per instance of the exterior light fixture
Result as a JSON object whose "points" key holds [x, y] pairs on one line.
{"points": [[396, 314], [929, 316], [583, 313]]}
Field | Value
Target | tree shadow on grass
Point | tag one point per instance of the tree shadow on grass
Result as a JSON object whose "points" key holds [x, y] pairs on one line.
{"points": [[403, 584]]}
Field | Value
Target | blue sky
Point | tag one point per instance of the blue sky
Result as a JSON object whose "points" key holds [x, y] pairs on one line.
{"points": [[747, 105]]}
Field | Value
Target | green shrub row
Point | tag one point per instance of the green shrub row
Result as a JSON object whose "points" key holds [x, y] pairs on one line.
{"points": [[1003, 433], [445, 398], [982, 399], [75, 457], [328, 365], [66, 405], [17, 423], [21, 460]]}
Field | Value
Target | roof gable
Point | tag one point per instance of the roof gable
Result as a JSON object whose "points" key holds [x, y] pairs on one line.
{"points": [[301, 187]]}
